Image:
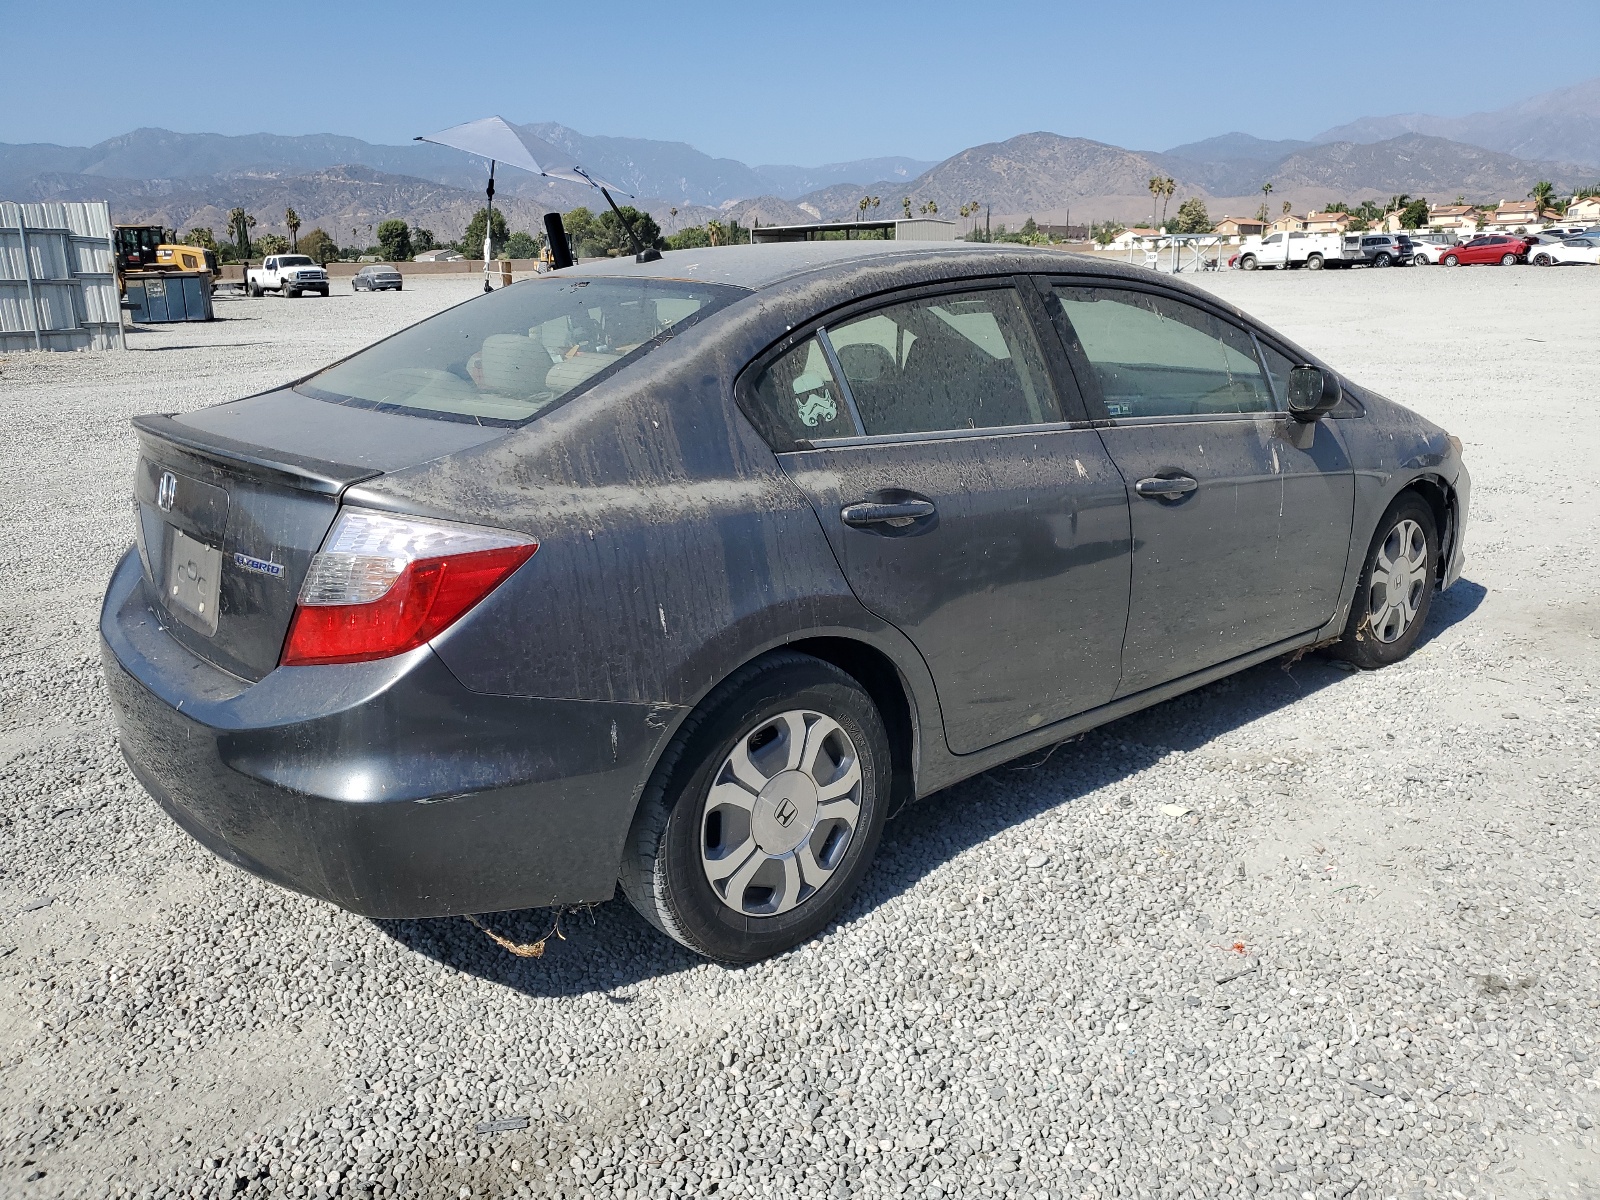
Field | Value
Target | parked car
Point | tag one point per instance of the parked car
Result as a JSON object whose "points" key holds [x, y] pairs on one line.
{"points": [[712, 562], [380, 277], [1380, 249], [289, 274], [1573, 250], [1556, 233], [1504, 249], [1428, 251]]}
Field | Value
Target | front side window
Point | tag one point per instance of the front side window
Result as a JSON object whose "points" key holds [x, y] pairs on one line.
{"points": [[1155, 356], [964, 360], [509, 355]]}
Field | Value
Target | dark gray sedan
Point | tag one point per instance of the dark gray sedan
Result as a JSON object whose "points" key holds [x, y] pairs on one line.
{"points": [[380, 277], [685, 574]]}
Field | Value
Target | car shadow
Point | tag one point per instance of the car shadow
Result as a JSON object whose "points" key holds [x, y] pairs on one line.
{"points": [[608, 948]]}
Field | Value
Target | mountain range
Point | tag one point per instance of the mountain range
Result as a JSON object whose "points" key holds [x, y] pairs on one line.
{"points": [[347, 185]]}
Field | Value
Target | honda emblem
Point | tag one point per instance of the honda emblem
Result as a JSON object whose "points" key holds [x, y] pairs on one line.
{"points": [[166, 491]]}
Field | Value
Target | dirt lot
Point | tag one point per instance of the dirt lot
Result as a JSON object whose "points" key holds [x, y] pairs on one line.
{"points": [[1363, 963]]}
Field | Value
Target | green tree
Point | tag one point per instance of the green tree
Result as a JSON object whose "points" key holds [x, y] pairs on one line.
{"points": [[1414, 215], [471, 244], [1266, 193], [320, 246], [1542, 195], [905, 204], [1192, 216], [692, 238], [202, 237], [615, 237], [1106, 232], [291, 221], [394, 240], [523, 245], [271, 243], [422, 239], [865, 203], [240, 223]]}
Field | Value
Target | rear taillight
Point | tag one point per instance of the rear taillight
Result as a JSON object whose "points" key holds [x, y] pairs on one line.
{"points": [[382, 585]]}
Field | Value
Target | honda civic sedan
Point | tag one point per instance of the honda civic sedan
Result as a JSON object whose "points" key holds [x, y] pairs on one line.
{"points": [[681, 576], [380, 277]]}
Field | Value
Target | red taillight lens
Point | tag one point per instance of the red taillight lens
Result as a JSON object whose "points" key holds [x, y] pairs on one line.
{"points": [[384, 585]]}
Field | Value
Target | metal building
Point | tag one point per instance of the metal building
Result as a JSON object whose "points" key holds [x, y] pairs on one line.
{"points": [[901, 229], [58, 283]]}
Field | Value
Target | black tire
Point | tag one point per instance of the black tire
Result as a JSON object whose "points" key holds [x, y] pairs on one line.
{"points": [[1543, 260], [323, 292], [1451, 260], [289, 293], [662, 871], [1383, 260], [399, 287], [1314, 263], [1248, 263], [1508, 260], [1361, 643], [255, 291]]}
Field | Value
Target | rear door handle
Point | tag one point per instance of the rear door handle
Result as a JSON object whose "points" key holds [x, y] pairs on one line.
{"points": [[898, 513], [1155, 488]]}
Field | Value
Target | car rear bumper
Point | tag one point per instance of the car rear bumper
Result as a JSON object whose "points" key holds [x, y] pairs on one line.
{"points": [[387, 788]]}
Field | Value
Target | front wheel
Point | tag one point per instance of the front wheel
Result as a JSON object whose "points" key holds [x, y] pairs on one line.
{"points": [[1248, 263], [764, 813], [289, 293], [1451, 260], [1396, 589], [1543, 260], [1508, 260]]}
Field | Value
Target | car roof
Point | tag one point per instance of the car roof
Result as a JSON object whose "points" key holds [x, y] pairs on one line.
{"points": [[763, 266]]}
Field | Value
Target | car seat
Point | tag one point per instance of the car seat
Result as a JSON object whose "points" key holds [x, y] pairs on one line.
{"points": [[512, 365]]}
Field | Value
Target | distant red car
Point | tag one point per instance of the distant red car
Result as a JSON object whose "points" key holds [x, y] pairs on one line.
{"points": [[1491, 248]]}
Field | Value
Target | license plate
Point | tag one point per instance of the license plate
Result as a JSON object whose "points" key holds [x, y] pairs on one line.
{"points": [[194, 579]]}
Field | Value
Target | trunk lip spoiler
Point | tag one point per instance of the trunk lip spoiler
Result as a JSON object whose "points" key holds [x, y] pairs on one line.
{"points": [[322, 476]]}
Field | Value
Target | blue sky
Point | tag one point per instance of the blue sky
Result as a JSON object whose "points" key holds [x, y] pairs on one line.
{"points": [[811, 83]]}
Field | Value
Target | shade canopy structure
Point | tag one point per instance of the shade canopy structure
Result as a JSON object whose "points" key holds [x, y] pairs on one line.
{"points": [[497, 140]]}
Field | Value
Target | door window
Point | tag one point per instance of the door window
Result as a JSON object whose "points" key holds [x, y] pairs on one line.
{"points": [[1155, 356], [798, 399], [965, 360]]}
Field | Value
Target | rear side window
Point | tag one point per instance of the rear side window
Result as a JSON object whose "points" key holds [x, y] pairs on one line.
{"points": [[1154, 356], [507, 356], [964, 360], [799, 399]]}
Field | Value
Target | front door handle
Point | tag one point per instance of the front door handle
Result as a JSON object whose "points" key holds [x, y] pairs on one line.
{"points": [[898, 513], [1156, 488]]}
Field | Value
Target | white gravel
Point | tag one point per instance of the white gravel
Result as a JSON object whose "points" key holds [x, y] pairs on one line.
{"points": [[1362, 962]]}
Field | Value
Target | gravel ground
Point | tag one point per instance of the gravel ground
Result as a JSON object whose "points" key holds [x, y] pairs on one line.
{"points": [[1360, 962]]}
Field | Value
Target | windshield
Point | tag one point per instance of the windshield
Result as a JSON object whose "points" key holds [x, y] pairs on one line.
{"points": [[294, 260], [507, 356]]}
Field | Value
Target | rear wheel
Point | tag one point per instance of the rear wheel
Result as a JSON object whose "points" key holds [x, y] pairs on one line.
{"points": [[1396, 589], [255, 291], [1383, 260], [764, 813], [1508, 260], [1314, 263]]}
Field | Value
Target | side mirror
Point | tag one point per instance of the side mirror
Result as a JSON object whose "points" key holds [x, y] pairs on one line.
{"points": [[1312, 393]]}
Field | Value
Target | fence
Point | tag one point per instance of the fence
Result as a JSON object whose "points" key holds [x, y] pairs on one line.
{"points": [[58, 284]]}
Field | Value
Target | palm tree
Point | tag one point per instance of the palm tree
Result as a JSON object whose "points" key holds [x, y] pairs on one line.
{"points": [[292, 220], [905, 203], [714, 232], [674, 211], [1266, 190], [1168, 186], [1543, 193], [1157, 186]]}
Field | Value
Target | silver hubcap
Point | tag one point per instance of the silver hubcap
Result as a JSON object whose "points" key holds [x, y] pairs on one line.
{"points": [[1399, 575], [780, 814]]}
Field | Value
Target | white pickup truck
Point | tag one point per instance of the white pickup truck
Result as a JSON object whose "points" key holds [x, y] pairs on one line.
{"points": [[290, 274], [1312, 251]]}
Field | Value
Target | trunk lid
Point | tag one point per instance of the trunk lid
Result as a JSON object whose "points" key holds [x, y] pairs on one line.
{"points": [[228, 525]]}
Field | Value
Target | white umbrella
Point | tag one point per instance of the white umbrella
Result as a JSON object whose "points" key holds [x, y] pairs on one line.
{"points": [[497, 140]]}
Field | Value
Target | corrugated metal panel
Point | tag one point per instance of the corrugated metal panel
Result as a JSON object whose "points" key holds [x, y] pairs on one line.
{"points": [[71, 297]]}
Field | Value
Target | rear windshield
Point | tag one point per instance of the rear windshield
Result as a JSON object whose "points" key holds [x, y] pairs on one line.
{"points": [[295, 260], [505, 357]]}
